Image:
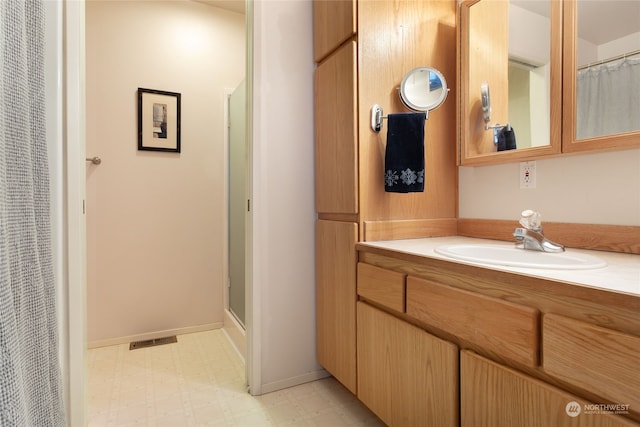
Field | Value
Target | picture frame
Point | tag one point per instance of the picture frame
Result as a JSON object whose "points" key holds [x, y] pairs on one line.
{"points": [[158, 120]]}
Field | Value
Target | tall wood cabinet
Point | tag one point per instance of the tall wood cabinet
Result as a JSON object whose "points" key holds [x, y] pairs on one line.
{"points": [[363, 49]]}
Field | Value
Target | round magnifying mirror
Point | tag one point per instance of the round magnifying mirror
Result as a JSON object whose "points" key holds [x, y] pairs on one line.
{"points": [[423, 89]]}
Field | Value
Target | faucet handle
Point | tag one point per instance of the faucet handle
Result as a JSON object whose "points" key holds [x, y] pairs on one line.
{"points": [[531, 220]]}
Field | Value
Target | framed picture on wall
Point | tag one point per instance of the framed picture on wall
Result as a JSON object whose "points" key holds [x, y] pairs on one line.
{"points": [[158, 120]]}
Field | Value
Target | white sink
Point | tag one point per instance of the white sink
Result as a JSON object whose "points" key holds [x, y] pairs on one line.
{"points": [[509, 255]]}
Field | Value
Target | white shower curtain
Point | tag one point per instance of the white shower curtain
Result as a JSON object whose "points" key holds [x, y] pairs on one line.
{"points": [[608, 99], [30, 383]]}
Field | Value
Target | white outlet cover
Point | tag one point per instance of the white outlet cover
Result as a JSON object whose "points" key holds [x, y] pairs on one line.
{"points": [[527, 174]]}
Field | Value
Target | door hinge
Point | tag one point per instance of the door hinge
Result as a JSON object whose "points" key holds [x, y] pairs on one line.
{"points": [[84, 210], [248, 205]]}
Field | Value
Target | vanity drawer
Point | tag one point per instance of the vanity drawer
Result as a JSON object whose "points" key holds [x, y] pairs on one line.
{"points": [[592, 357], [382, 286], [500, 327]]}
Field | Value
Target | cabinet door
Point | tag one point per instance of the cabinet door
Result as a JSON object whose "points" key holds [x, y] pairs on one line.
{"points": [[334, 21], [493, 395], [406, 376], [336, 299], [335, 133]]}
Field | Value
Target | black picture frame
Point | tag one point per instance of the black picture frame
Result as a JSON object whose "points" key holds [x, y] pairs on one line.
{"points": [[158, 120]]}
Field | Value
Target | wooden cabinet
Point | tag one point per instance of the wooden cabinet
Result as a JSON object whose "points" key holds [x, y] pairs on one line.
{"points": [[492, 35], [336, 133], [362, 51], [484, 56], [497, 396], [405, 376], [391, 38], [529, 346], [336, 299], [611, 140], [334, 22]]}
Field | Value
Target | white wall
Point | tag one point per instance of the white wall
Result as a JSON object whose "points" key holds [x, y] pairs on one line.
{"points": [[155, 221], [596, 188], [283, 200]]}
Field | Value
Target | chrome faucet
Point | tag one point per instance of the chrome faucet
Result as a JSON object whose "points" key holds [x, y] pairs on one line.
{"points": [[530, 236]]}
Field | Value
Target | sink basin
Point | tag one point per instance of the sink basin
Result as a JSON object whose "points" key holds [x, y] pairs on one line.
{"points": [[508, 255]]}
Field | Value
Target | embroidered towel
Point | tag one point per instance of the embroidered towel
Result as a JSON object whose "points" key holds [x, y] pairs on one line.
{"points": [[404, 156]]}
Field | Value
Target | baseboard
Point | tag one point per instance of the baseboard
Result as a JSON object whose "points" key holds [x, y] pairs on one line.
{"points": [[294, 381], [236, 334], [153, 335]]}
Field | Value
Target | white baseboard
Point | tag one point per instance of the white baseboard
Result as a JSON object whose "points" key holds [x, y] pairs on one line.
{"points": [[154, 335], [236, 334], [294, 381]]}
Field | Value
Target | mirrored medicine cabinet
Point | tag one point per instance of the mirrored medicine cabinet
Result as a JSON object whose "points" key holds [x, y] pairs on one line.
{"points": [[603, 52], [514, 48]]}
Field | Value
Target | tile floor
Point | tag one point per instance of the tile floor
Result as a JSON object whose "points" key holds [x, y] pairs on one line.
{"points": [[200, 382]]}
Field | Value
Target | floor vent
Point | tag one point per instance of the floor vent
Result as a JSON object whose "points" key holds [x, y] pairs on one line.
{"points": [[152, 343]]}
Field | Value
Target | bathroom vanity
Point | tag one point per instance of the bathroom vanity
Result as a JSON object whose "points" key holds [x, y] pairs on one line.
{"points": [[427, 340], [447, 342]]}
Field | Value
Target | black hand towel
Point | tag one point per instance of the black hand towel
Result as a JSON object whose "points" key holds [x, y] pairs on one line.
{"points": [[506, 139], [404, 157]]}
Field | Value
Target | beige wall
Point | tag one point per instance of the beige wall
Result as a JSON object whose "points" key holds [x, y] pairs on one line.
{"points": [[155, 221], [596, 188]]}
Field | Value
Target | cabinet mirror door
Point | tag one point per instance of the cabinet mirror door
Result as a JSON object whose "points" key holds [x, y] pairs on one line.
{"points": [[601, 75], [513, 48]]}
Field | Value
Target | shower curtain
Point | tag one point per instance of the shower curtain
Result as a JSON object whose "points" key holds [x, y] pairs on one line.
{"points": [[608, 99], [30, 380]]}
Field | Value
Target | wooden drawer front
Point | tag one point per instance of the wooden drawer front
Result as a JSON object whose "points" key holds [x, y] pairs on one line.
{"points": [[598, 359], [494, 395], [501, 327], [382, 286]]}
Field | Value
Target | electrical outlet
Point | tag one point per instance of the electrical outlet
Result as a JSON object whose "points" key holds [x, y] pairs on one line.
{"points": [[527, 174]]}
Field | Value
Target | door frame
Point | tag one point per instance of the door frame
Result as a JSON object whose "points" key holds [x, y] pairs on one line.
{"points": [[73, 337], [72, 292]]}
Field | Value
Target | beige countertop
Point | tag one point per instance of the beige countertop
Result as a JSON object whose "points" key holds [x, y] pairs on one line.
{"points": [[622, 273]]}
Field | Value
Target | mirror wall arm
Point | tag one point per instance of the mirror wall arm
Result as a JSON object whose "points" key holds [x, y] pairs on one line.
{"points": [[376, 117], [497, 126]]}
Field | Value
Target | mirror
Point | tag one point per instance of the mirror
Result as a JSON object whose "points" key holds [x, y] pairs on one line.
{"points": [[423, 89], [602, 75], [514, 48]]}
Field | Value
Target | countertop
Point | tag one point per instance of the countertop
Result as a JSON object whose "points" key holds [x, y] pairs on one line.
{"points": [[622, 273]]}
